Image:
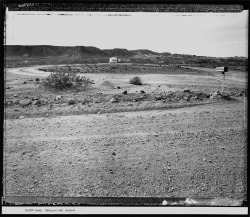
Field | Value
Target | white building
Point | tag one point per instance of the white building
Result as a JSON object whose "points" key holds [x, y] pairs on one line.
{"points": [[113, 60]]}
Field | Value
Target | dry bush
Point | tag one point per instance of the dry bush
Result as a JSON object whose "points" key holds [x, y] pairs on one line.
{"points": [[135, 80], [63, 80]]}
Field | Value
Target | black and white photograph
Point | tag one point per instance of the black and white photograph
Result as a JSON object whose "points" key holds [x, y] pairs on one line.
{"points": [[125, 104]]}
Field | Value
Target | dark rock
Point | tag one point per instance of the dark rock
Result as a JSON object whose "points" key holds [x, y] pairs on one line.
{"points": [[118, 87], [125, 92], [136, 99], [7, 87], [159, 97], [71, 101], [37, 79], [25, 82], [44, 101], [36, 102], [25, 102], [113, 153], [113, 100], [142, 91], [186, 91]]}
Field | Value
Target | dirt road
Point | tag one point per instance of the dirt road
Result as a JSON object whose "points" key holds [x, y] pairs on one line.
{"points": [[197, 152]]}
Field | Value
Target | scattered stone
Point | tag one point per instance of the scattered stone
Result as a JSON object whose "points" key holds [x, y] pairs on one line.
{"points": [[113, 153], [21, 117], [125, 92], [159, 97], [225, 96], [58, 98], [71, 101], [9, 102], [113, 100], [164, 202], [111, 171], [31, 80], [136, 99], [37, 79], [44, 101], [7, 87], [25, 102], [186, 91], [216, 94], [15, 95], [36, 102], [25, 82], [142, 91], [118, 87], [222, 147]]}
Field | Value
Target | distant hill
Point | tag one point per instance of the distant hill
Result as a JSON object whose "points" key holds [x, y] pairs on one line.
{"points": [[88, 54]]}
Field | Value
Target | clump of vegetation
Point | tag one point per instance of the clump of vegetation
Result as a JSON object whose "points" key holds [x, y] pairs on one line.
{"points": [[66, 80], [135, 80]]}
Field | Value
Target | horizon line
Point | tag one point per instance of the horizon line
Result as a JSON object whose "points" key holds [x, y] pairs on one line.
{"points": [[126, 49]]}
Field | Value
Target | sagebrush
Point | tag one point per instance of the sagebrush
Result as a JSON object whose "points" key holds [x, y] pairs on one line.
{"points": [[135, 80], [66, 80]]}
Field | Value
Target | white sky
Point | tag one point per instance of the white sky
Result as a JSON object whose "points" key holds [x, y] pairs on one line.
{"points": [[204, 34]]}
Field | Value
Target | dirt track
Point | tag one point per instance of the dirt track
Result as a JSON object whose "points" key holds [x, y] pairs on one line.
{"points": [[197, 152]]}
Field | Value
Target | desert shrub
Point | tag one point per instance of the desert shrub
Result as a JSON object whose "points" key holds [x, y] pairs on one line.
{"points": [[64, 80], [135, 80]]}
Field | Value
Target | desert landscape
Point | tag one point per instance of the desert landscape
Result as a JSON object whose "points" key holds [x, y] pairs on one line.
{"points": [[175, 134]]}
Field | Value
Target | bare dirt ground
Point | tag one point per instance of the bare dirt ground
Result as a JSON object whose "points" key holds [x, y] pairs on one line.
{"points": [[197, 151]]}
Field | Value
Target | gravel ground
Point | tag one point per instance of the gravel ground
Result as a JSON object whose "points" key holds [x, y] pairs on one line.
{"points": [[187, 152]]}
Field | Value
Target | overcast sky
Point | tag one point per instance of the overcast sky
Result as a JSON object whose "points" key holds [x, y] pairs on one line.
{"points": [[204, 34]]}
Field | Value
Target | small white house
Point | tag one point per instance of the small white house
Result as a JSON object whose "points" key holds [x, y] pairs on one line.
{"points": [[113, 60]]}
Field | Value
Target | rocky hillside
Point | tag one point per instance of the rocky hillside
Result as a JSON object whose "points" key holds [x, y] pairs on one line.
{"points": [[29, 55]]}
